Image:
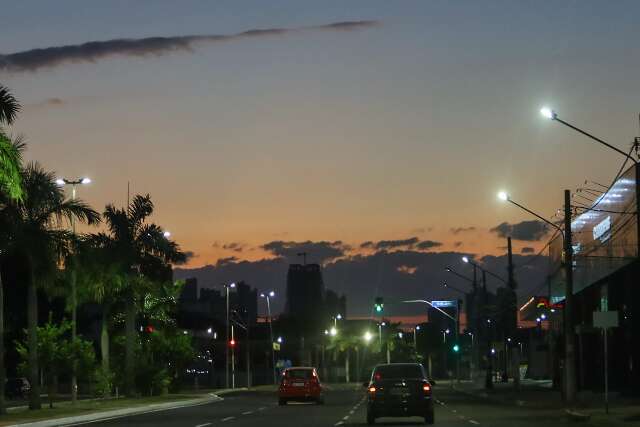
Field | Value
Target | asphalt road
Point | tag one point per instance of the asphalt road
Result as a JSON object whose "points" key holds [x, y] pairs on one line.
{"points": [[342, 407]]}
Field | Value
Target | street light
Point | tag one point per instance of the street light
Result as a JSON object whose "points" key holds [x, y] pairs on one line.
{"points": [[279, 340], [268, 297], [504, 196], [548, 113], [333, 332], [166, 234], [74, 300], [367, 337]]}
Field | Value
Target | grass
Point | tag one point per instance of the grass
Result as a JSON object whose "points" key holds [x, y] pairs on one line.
{"points": [[83, 407]]}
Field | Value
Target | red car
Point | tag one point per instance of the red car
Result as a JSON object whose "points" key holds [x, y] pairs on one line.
{"points": [[300, 385]]}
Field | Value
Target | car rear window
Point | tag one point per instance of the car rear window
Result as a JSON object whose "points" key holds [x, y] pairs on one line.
{"points": [[397, 371], [303, 374]]}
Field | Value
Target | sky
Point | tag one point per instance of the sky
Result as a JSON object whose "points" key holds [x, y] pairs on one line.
{"points": [[358, 130]]}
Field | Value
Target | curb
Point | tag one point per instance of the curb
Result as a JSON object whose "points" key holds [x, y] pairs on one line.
{"points": [[125, 412]]}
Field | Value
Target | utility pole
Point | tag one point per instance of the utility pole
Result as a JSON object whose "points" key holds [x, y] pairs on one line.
{"points": [[304, 257], [569, 344], [512, 320], [488, 381]]}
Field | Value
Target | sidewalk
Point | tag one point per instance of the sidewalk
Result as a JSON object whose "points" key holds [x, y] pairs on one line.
{"points": [[135, 407], [538, 395]]}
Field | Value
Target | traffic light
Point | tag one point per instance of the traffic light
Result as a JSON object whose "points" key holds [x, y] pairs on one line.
{"points": [[378, 305], [456, 348]]}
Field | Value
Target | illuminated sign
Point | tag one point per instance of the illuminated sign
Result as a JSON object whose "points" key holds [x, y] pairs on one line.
{"points": [[602, 229], [444, 304]]}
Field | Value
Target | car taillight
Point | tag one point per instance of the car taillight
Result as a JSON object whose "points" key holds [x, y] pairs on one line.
{"points": [[426, 388], [372, 389]]}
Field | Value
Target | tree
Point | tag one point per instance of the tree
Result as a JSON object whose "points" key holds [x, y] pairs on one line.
{"points": [[55, 350], [33, 226], [9, 106], [144, 254], [10, 184]]}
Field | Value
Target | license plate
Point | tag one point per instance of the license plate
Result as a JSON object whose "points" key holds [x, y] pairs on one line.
{"points": [[398, 391], [298, 384]]}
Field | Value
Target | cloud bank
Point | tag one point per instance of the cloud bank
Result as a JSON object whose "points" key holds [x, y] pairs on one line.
{"points": [[529, 231], [94, 51]]}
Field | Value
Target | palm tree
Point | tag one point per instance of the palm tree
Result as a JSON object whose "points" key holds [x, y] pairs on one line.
{"points": [[9, 106], [10, 186], [100, 280], [144, 254], [34, 229]]}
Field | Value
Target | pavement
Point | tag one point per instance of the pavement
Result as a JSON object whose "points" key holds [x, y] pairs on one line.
{"points": [[345, 405]]}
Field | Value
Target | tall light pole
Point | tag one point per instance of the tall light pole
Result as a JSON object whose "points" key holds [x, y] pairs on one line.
{"points": [[74, 298], [227, 342], [552, 115], [415, 338], [456, 325], [569, 372], [268, 297]]}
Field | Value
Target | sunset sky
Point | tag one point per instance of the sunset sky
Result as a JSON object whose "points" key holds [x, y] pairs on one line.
{"points": [[405, 125]]}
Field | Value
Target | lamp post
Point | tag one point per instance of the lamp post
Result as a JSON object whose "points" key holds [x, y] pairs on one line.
{"points": [[74, 300], [227, 342], [415, 338], [553, 116], [569, 344], [268, 297]]}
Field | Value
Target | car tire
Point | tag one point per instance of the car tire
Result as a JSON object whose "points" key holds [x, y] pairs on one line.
{"points": [[370, 418], [282, 402], [429, 418]]}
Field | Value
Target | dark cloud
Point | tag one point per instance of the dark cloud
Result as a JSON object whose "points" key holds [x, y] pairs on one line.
{"points": [[234, 246], [318, 252], [391, 244], [529, 231], [395, 275], [367, 244], [458, 230], [527, 250], [227, 260], [457, 244], [427, 244], [91, 52]]}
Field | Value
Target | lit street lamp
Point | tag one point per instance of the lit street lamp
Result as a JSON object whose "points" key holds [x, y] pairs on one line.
{"points": [[268, 296], [74, 300]]}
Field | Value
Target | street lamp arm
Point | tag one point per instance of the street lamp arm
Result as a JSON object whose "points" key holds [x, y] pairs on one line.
{"points": [[459, 275], [437, 308], [588, 135], [454, 289], [536, 215], [488, 272]]}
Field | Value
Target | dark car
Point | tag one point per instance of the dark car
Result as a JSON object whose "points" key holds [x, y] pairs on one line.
{"points": [[399, 390], [17, 388]]}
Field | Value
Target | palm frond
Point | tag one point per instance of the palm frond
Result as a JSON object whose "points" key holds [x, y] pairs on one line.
{"points": [[10, 165], [9, 106]]}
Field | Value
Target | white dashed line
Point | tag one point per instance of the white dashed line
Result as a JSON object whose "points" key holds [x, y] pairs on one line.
{"points": [[247, 413], [227, 419], [203, 425], [339, 423], [262, 408], [474, 422], [345, 418]]}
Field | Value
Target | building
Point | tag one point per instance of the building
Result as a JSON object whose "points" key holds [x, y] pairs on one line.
{"points": [[606, 272]]}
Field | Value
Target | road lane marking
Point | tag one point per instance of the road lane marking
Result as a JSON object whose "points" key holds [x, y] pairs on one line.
{"points": [[247, 413], [227, 419], [339, 423], [203, 425], [262, 408], [345, 418], [474, 422]]}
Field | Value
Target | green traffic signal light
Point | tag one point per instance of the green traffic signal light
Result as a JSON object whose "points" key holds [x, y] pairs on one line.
{"points": [[379, 304], [456, 348]]}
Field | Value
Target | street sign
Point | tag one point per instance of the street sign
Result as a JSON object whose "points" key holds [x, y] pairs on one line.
{"points": [[442, 304], [276, 346], [605, 319]]}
